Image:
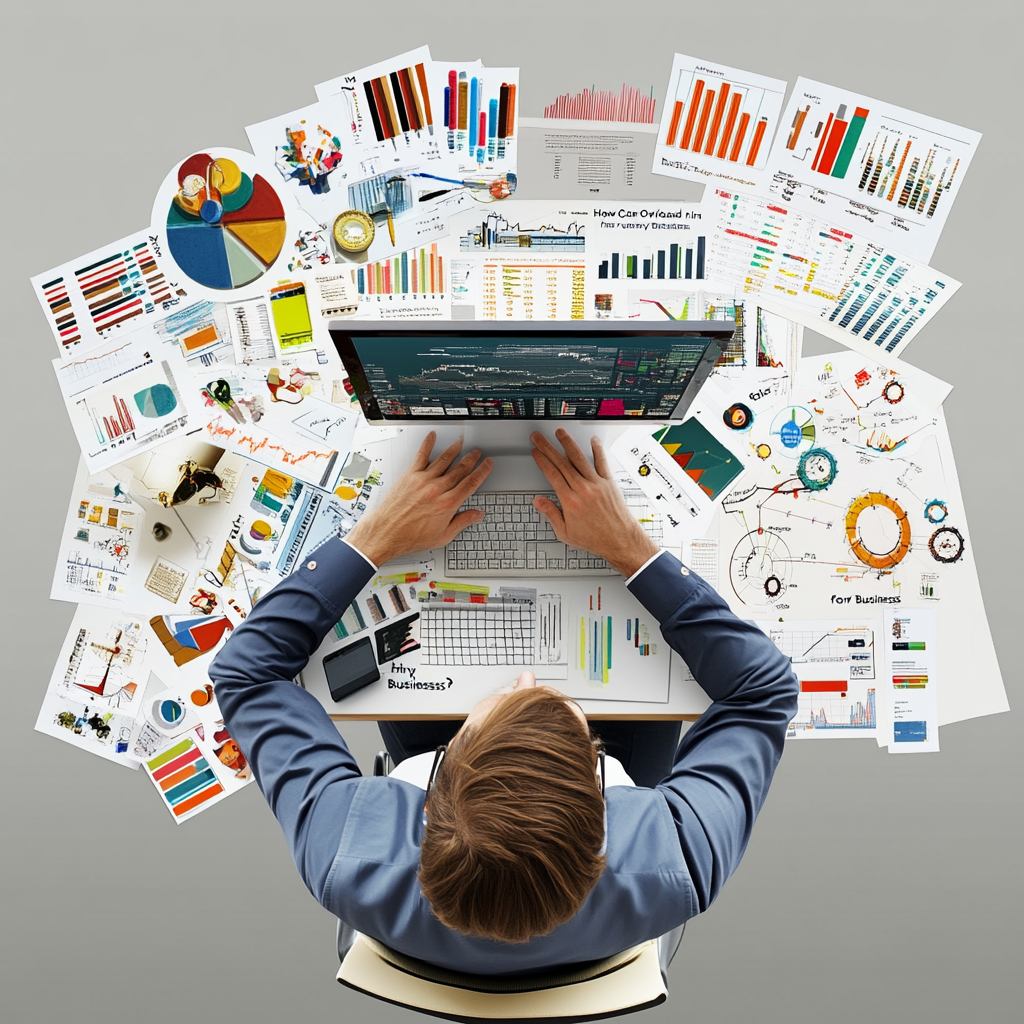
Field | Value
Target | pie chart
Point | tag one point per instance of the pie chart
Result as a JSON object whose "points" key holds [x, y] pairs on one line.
{"points": [[225, 228]]}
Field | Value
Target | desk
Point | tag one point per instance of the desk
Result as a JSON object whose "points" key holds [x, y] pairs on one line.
{"points": [[422, 694], [409, 690]]}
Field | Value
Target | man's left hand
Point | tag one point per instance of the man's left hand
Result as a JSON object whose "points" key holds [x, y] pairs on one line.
{"points": [[419, 510]]}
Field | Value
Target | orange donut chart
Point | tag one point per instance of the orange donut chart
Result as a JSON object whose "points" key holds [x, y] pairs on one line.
{"points": [[888, 559]]}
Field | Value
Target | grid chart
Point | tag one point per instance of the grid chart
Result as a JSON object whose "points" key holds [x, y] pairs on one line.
{"points": [[500, 632]]}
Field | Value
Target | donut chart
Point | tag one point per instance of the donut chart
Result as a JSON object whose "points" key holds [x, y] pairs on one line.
{"points": [[878, 559], [225, 228]]}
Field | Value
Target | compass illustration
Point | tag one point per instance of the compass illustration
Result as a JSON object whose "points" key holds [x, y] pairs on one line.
{"points": [[946, 544], [760, 567], [817, 469], [893, 392]]}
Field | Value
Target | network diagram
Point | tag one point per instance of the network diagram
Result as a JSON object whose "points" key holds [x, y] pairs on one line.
{"points": [[845, 503]]}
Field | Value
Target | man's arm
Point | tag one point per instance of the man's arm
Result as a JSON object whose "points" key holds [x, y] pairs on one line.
{"points": [[301, 763], [725, 762]]}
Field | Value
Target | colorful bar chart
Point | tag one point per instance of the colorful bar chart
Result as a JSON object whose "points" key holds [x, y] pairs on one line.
{"points": [[184, 778], [596, 642], [837, 140], [675, 262], [416, 272], [399, 102], [479, 116], [639, 637]]}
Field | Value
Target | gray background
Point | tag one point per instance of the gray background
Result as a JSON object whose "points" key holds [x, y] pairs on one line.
{"points": [[875, 887]]}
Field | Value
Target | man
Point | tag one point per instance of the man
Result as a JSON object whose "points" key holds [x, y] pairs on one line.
{"points": [[511, 862]]}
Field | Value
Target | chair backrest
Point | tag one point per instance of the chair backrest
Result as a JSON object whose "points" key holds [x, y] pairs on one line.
{"points": [[629, 981]]}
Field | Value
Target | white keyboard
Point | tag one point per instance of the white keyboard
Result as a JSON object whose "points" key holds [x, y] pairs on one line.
{"points": [[514, 539]]}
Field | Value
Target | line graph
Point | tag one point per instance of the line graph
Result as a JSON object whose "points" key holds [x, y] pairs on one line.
{"points": [[274, 452], [838, 715], [850, 649], [495, 232]]}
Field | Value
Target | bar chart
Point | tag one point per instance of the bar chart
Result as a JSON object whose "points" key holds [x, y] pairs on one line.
{"points": [[833, 140], [416, 272], [676, 261], [399, 102], [719, 115], [921, 188], [630, 105], [892, 172], [479, 113]]}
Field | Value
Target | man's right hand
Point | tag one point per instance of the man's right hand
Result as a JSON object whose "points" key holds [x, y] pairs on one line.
{"points": [[593, 514]]}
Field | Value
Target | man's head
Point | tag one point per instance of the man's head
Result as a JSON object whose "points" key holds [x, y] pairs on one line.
{"points": [[515, 818]]}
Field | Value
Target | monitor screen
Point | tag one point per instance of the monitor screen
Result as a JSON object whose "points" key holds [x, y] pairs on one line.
{"points": [[506, 375]]}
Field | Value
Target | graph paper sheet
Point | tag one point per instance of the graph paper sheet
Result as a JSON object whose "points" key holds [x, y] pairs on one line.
{"points": [[500, 632]]}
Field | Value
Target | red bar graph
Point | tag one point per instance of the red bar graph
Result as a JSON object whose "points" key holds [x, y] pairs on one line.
{"points": [[740, 136], [824, 685], [756, 144], [719, 119], [730, 123], [694, 104], [716, 123], [673, 125], [835, 140], [705, 116], [822, 139]]}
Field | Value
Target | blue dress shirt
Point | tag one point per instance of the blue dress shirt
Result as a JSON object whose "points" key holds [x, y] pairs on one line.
{"points": [[356, 840]]}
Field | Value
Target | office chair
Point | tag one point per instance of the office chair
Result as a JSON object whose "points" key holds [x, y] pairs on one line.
{"points": [[628, 981]]}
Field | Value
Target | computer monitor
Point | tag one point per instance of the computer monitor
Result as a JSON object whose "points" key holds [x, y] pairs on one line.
{"points": [[551, 370]]}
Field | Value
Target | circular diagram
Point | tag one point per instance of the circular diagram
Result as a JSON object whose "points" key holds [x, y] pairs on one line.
{"points": [[935, 511], [794, 428], [946, 544], [225, 227], [738, 417], [893, 392], [878, 530], [354, 231], [817, 469], [760, 568]]}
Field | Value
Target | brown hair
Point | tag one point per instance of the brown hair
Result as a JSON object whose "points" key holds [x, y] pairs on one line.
{"points": [[515, 821]]}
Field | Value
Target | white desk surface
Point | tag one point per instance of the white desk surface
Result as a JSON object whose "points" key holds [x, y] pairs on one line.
{"points": [[455, 699]]}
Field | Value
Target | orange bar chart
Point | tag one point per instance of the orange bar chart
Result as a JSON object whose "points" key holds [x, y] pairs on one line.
{"points": [[725, 119]]}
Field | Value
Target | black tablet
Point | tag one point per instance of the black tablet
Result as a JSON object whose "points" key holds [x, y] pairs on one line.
{"points": [[351, 668]]}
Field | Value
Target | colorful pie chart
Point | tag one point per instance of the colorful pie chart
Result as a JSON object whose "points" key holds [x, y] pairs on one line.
{"points": [[225, 228]]}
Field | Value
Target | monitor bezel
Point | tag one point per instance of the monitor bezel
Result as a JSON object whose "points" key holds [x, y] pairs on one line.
{"points": [[718, 333]]}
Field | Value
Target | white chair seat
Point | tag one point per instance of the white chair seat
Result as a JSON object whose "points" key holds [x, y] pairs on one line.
{"points": [[629, 981]]}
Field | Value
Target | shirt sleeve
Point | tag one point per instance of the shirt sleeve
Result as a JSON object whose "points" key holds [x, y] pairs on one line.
{"points": [[301, 763], [725, 762]]}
